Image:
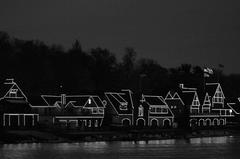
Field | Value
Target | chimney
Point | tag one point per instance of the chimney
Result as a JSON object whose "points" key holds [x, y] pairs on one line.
{"points": [[63, 99], [181, 85]]}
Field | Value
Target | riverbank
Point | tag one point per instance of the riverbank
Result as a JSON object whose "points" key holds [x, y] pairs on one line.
{"points": [[63, 136]]}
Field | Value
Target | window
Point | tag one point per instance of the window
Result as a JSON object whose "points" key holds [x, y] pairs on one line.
{"points": [[218, 99], [173, 107], [195, 101], [194, 110], [159, 110], [100, 110], [95, 110], [140, 111], [13, 93], [164, 110], [123, 106], [218, 96], [206, 110]]}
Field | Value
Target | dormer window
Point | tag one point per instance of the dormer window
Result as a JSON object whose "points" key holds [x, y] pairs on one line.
{"points": [[218, 99], [218, 96], [123, 106], [13, 93], [195, 101], [89, 101]]}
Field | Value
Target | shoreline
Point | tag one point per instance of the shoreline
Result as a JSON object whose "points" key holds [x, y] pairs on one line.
{"points": [[36, 136]]}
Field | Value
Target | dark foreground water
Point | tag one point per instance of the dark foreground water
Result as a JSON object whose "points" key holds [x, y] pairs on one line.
{"points": [[202, 148]]}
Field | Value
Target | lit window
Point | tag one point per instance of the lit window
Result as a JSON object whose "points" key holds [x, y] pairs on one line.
{"points": [[89, 101], [159, 110], [95, 110], [194, 110], [140, 111], [123, 106], [206, 110], [100, 110], [13, 93]]}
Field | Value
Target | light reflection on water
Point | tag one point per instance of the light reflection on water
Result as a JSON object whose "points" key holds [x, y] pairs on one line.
{"points": [[207, 147]]}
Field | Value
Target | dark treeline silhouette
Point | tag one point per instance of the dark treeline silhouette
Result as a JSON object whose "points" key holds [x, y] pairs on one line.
{"points": [[43, 69]]}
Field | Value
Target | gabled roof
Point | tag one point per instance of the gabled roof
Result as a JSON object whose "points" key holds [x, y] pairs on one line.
{"points": [[187, 97], [117, 99], [234, 104], [83, 101], [196, 99], [7, 86], [51, 100], [36, 101], [210, 88], [4, 88], [99, 102], [74, 100], [183, 88], [207, 100], [154, 100], [169, 95], [77, 101], [157, 101], [175, 98]]}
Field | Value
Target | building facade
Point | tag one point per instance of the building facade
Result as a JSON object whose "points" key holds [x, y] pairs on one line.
{"points": [[72, 111], [15, 110], [209, 108], [120, 107], [154, 112]]}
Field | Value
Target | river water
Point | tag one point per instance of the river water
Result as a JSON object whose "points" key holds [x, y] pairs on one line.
{"points": [[201, 148]]}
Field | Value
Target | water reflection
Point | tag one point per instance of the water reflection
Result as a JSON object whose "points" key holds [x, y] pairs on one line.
{"points": [[207, 147], [210, 140]]}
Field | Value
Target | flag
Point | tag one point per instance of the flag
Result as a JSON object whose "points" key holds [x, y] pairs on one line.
{"points": [[207, 72]]}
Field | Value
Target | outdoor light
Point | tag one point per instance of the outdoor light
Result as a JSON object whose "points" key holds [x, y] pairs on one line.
{"points": [[89, 101]]}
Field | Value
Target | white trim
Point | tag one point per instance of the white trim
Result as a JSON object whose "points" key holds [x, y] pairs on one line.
{"points": [[76, 122], [206, 122], [223, 122], [155, 119], [90, 117], [168, 94], [144, 122], [229, 104], [195, 121], [203, 122], [168, 120], [18, 116], [190, 89], [207, 116], [128, 120], [213, 123], [119, 114], [14, 84], [101, 121]]}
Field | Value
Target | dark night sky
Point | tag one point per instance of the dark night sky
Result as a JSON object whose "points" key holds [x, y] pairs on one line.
{"points": [[203, 32]]}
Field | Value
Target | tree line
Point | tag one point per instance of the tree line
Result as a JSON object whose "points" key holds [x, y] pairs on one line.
{"points": [[50, 69]]}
